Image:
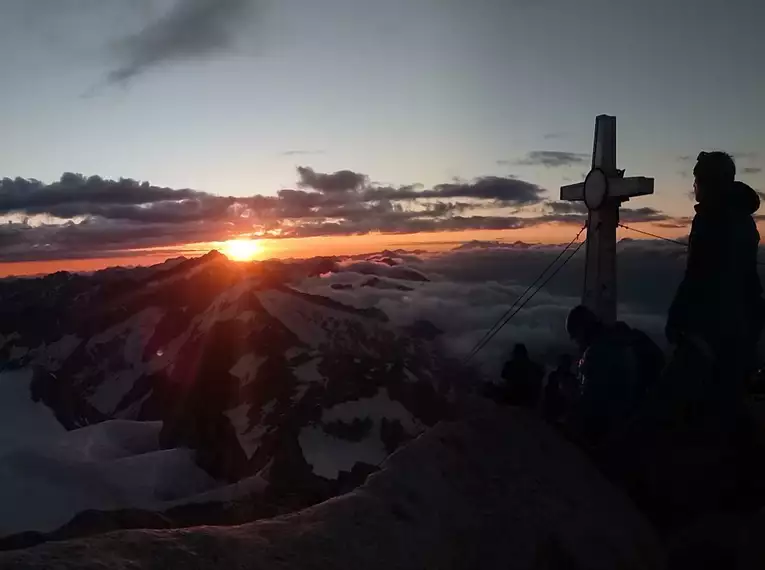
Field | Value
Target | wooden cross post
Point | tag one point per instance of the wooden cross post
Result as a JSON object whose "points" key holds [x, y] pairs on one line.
{"points": [[603, 191]]}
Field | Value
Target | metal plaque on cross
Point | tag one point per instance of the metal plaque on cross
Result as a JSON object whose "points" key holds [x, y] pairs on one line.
{"points": [[603, 191]]}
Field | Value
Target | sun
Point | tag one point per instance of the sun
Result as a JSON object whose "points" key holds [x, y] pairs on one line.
{"points": [[241, 249]]}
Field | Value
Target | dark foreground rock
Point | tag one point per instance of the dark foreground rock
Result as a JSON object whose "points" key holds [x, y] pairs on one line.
{"points": [[497, 490]]}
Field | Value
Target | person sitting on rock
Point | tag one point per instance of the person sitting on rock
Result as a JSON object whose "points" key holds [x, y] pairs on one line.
{"points": [[523, 379]]}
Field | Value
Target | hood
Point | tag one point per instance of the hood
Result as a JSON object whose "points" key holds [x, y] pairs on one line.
{"points": [[741, 198], [744, 197]]}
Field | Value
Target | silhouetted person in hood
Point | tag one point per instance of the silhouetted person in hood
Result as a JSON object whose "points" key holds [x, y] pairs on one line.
{"points": [[718, 307], [523, 379]]}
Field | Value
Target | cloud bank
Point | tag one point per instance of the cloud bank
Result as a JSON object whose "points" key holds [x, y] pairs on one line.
{"points": [[463, 292], [79, 216]]}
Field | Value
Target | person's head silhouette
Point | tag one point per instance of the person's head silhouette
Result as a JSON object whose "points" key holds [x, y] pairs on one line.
{"points": [[713, 174], [582, 325]]}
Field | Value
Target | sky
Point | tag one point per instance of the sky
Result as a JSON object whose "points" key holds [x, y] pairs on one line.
{"points": [[135, 131]]}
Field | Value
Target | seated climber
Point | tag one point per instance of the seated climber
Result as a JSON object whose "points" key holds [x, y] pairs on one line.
{"points": [[617, 366], [523, 379]]}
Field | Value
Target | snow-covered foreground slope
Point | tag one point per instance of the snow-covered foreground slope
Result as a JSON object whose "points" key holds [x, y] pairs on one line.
{"points": [[500, 490], [48, 475], [25, 422]]}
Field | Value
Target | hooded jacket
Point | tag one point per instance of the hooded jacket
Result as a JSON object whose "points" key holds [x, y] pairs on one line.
{"points": [[719, 300]]}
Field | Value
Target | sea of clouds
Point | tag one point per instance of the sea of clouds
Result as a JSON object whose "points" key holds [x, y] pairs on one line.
{"points": [[464, 291]]}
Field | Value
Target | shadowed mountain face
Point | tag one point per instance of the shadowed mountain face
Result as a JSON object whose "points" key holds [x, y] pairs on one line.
{"points": [[257, 377]]}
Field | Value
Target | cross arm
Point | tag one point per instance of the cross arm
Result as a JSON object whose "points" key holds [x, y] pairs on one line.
{"points": [[623, 188], [629, 187], [572, 192]]}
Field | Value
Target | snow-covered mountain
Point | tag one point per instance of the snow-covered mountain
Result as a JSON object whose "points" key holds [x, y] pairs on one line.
{"points": [[231, 361]]}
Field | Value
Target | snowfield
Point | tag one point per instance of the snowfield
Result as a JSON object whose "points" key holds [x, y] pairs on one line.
{"points": [[249, 436], [32, 422], [246, 368], [48, 474], [328, 455]]}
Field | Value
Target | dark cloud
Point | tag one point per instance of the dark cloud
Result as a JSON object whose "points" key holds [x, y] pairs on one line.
{"points": [[550, 136], [567, 207], [509, 191], [191, 29], [506, 190], [576, 212], [33, 197], [752, 170], [340, 181], [632, 215], [552, 158], [126, 199]]}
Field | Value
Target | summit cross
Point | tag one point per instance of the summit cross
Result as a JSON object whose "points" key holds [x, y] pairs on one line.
{"points": [[603, 191]]}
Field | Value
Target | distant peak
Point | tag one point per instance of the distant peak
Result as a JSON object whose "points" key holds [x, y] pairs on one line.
{"points": [[214, 254]]}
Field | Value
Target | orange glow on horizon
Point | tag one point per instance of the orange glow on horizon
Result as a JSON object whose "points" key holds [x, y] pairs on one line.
{"points": [[30, 268], [244, 249]]}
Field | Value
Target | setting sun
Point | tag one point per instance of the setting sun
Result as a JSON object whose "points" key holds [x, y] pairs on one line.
{"points": [[241, 249]]}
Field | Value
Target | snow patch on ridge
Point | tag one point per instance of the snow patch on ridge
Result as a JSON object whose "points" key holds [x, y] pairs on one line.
{"points": [[376, 408], [137, 331], [319, 326], [328, 455], [246, 368]]}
